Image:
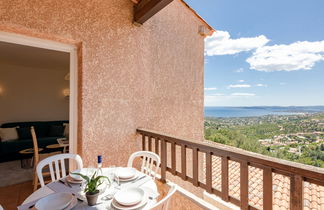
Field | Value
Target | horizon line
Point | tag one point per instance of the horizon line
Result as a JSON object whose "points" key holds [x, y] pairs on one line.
{"points": [[270, 106]]}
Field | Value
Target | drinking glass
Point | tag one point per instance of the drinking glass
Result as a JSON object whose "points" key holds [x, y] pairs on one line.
{"points": [[113, 185], [115, 178]]}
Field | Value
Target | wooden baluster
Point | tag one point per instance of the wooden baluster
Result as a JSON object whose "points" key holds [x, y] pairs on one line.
{"points": [[195, 166], [143, 142], [267, 188], [296, 192], [183, 162], [225, 179], [163, 160], [150, 143], [244, 185], [209, 184], [157, 145], [173, 158]]}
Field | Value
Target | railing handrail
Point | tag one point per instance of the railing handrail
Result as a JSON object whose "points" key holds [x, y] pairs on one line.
{"points": [[310, 173], [297, 173]]}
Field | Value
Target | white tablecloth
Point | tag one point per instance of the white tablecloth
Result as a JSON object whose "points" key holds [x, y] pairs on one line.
{"points": [[147, 184]]}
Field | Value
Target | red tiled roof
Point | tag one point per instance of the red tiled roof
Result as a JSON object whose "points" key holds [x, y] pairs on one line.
{"points": [[313, 194]]}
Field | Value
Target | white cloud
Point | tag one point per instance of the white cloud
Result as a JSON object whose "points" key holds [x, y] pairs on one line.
{"points": [[239, 70], [211, 88], [220, 43], [239, 86], [243, 94], [295, 56], [241, 80], [261, 85]]}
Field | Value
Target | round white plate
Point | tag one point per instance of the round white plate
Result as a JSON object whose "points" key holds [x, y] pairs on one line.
{"points": [[129, 179], [56, 201], [73, 181], [73, 203], [125, 173], [115, 204], [77, 177], [129, 196]]}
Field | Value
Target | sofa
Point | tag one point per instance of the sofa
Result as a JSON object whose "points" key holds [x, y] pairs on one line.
{"points": [[9, 150]]}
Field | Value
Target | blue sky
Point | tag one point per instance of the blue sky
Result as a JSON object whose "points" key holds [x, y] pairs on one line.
{"points": [[264, 52]]}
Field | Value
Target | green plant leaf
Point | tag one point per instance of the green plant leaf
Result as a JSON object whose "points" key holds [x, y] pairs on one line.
{"points": [[94, 175], [83, 176], [93, 182]]}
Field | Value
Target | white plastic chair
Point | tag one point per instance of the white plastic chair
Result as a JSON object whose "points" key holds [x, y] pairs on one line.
{"points": [[147, 163], [56, 159], [164, 203]]}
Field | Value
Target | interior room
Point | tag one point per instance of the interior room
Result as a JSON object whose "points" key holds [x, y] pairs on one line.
{"points": [[34, 93]]}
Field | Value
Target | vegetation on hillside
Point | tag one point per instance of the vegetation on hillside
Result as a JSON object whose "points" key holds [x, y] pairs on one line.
{"points": [[298, 138]]}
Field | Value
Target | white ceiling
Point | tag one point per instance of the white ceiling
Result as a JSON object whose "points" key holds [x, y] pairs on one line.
{"points": [[14, 54]]}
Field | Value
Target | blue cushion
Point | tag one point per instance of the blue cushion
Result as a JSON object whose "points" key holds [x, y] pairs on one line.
{"points": [[56, 130], [24, 133], [42, 128]]}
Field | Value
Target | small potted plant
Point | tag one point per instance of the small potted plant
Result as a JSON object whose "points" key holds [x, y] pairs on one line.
{"points": [[91, 188]]}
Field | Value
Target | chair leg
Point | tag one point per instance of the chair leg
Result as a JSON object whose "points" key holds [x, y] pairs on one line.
{"points": [[35, 183]]}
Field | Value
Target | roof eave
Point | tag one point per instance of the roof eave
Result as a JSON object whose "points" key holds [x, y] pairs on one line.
{"points": [[211, 29]]}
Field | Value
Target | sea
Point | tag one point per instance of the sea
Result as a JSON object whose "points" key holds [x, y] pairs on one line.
{"points": [[257, 111]]}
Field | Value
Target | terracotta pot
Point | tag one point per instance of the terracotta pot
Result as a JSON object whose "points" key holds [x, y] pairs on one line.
{"points": [[92, 198]]}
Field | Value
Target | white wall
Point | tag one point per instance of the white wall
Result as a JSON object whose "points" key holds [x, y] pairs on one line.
{"points": [[32, 94]]}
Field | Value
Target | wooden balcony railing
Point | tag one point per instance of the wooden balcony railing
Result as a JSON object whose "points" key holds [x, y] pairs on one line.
{"points": [[165, 146]]}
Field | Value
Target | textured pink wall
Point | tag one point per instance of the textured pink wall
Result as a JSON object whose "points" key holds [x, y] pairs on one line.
{"points": [[149, 76]]}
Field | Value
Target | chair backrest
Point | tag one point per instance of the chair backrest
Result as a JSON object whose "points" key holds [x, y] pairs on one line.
{"points": [[59, 165], [147, 163], [35, 143], [164, 203]]}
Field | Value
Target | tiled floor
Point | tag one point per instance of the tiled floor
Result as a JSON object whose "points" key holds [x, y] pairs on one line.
{"points": [[13, 195]]}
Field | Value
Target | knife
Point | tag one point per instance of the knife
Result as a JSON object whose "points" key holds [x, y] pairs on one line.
{"points": [[65, 183]]}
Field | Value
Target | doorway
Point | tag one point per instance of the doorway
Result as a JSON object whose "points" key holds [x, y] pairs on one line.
{"points": [[72, 75]]}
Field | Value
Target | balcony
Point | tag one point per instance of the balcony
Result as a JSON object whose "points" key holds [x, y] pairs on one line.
{"points": [[231, 175]]}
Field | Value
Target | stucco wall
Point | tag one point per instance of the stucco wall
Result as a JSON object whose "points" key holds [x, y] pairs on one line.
{"points": [[32, 94], [149, 76]]}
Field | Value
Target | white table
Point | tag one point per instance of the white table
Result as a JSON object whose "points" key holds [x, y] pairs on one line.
{"points": [[149, 186]]}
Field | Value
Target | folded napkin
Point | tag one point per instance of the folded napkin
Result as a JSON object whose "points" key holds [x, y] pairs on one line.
{"points": [[60, 187]]}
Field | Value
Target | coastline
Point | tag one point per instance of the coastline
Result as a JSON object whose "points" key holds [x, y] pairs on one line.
{"points": [[259, 111]]}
